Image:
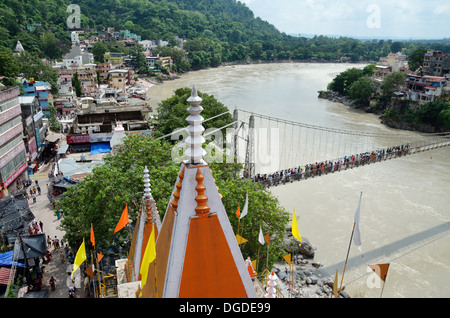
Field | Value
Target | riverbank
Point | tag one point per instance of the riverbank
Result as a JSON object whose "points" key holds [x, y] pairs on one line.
{"points": [[305, 277], [390, 121]]}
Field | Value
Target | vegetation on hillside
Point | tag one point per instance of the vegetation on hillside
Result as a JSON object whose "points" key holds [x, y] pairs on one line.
{"points": [[216, 31]]}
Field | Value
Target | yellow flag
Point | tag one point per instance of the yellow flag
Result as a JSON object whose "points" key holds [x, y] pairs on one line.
{"points": [[240, 239], [79, 258], [287, 258], [295, 231], [149, 256]]}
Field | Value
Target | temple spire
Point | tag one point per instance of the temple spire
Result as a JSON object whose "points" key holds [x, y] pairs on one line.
{"points": [[147, 190], [195, 140]]}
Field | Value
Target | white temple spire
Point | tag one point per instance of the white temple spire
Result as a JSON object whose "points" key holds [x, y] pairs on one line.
{"points": [[147, 190], [195, 140]]}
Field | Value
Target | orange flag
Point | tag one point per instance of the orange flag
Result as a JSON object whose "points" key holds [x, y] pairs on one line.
{"points": [[99, 256], [92, 236], [381, 270], [123, 220], [238, 212], [266, 238]]}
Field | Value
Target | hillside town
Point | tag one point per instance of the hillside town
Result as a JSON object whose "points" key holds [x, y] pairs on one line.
{"points": [[426, 84], [95, 105]]}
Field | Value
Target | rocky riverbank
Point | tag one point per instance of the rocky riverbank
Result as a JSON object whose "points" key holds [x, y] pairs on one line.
{"points": [[306, 279], [338, 98], [390, 122]]}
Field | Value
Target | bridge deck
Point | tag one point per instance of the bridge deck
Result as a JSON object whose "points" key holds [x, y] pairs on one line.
{"points": [[323, 168]]}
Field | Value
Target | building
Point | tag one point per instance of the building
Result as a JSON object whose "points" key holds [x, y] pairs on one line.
{"points": [[39, 89], [119, 79], [103, 71], [77, 57], [34, 128], [19, 48], [113, 58], [13, 157], [436, 63], [423, 89], [197, 253], [88, 78]]}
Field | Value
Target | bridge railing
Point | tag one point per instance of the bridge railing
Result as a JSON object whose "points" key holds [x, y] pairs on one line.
{"points": [[344, 163]]}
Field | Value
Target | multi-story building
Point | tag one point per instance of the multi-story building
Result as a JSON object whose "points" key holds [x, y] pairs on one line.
{"points": [[436, 63], [13, 158], [39, 89], [103, 69], [119, 79], [32, 119], [113, 58]]}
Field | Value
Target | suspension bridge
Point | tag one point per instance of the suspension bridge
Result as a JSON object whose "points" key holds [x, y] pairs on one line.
{"points": [[276, 151]]}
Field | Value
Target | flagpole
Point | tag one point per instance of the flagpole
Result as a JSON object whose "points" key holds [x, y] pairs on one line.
{"points": [[93, 280], [257, 260], [382, 288], [346, 259]]}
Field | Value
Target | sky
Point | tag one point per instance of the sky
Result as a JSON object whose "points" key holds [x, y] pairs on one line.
{"points": [[359, 18]]}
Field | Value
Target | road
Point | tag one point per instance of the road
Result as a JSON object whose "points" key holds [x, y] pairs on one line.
{"points": [[43, 211]]}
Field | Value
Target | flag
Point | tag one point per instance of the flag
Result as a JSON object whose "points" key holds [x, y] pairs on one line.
{"points": [[381, 270], [92, 236], [287, 258], [261, 237], [123, 219], [295, 231], [238, 212], [149, 256], [357, 234], [335, 285], [240, 239], [99, 256], [266, 238], [90, 271], [245, 209], [79, 258]]}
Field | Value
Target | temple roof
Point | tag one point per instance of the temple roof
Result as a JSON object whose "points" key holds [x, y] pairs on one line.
{"points": [[197, 254]]}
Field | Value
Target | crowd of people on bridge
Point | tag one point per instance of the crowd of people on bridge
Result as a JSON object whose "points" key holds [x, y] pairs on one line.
{"points": [[319, 168]]}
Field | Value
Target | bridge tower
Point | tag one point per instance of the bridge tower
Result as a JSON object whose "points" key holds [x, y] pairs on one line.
{"points": [[249, 167]]}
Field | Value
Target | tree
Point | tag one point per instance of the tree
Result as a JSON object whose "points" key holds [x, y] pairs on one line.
{"points": [[8, 68], [49, 46], [415, 60], [76, 83], [391, 82], [99, 49], [55, 125], [342, 82], [173, 111], [361, 90]]}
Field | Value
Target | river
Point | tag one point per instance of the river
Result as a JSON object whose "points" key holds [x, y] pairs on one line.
{"points": [[405, 209]]}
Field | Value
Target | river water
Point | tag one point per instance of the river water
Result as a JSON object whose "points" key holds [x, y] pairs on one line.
{"points": [[405, 209]]}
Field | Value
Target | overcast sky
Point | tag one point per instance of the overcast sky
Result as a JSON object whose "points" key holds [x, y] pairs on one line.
{"points": [[372, 18]]}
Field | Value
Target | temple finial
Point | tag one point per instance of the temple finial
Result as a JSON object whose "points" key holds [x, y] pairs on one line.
{"points": [[147, 190], [202, 208], [195, 140]]}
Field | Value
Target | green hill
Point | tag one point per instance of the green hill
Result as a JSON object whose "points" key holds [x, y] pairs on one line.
{"points": [[217, 30]]}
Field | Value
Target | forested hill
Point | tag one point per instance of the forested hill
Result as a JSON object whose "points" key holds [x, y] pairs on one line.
{"points": [[220, 20], [217, 31]]}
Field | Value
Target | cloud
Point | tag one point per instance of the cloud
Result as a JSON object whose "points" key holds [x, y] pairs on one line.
{"points": [[442, 9], [406, 18]]}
